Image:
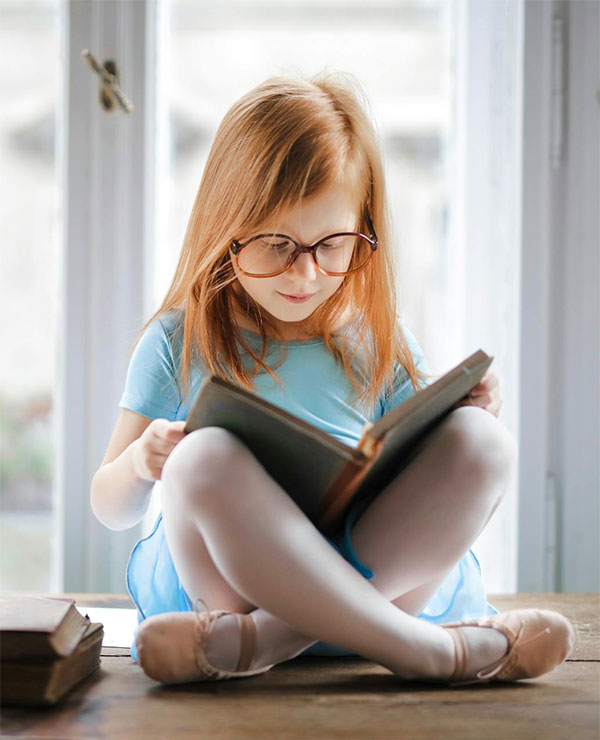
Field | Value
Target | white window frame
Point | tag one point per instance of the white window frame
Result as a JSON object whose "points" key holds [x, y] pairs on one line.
{"points": [[106, 163], [484, 229], [560, 312]]}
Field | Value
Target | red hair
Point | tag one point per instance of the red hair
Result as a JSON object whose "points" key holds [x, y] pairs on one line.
{"points": [[284, 141]]}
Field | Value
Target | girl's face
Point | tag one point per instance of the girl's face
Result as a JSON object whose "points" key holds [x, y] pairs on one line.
{"points": [[314, 218]]}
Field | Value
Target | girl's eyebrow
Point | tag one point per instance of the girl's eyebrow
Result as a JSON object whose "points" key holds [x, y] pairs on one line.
{"points": [[287, 232]]}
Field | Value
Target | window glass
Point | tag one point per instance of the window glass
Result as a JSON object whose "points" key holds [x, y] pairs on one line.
{"points": [[29, 78], [399, 51]]}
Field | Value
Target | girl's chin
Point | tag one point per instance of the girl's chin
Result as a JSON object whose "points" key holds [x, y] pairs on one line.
{"points": [[295, 314]]}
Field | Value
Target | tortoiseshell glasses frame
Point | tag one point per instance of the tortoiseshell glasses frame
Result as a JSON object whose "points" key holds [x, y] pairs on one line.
{"points": [[372, 240]]}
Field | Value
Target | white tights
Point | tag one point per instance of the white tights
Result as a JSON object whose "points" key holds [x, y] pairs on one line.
{"points": [[242, 544]]}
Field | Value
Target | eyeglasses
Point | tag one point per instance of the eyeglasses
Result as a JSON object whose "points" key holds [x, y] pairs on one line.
{"points": [[267, 255]]}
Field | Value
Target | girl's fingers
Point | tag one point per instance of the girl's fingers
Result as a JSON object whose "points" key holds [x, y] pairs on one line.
{"points": [[161, 446], [462, 402], [486, 401], [174, 432], [153, 465], [155, 461], [166, 436], [157, 458]]}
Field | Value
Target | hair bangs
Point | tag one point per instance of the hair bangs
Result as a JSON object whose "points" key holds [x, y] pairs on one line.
{"points": [[306, 174]]}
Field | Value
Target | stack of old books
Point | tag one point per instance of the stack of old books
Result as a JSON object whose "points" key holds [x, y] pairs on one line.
{"points": [[46, 648]]}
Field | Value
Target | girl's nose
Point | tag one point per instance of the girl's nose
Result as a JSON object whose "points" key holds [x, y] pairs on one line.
{"points": [[304, 266]]}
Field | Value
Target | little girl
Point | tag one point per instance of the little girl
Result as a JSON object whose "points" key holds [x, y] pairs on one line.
{"points": [[285, 285]]}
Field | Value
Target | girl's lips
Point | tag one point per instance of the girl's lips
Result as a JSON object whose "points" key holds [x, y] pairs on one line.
{"points": [[297, 298]]}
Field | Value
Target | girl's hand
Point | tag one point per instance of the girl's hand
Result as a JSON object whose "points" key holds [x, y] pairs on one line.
{"points": [[485, 394], [154, 446]]}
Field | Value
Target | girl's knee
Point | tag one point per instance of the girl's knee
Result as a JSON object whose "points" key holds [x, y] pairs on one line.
{"points": [[482, 442], [201, 460]]}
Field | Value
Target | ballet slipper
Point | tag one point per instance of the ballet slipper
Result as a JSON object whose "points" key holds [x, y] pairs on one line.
{"points": [[538, 641], [171, 646]]}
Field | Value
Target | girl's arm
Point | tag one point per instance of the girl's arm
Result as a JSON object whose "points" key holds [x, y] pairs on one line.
{"points": [[134, 460], [119, 496]]}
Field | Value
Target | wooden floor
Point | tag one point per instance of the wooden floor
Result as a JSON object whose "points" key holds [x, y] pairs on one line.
{"points": [[341, 697]]}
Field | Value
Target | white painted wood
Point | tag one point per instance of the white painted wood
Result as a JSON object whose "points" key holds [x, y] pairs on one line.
{"points": [[106, 171], [559, 480], [535, 300], [558, 91], [484, 231], [574, 440]]}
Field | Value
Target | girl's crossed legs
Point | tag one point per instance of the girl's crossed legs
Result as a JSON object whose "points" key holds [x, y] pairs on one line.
{"points": [[237, 540]]}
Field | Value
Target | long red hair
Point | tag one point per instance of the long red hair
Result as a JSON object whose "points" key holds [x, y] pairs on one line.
{"points": [[284, 141]]}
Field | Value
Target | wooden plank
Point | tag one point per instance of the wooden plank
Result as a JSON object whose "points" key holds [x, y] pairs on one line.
{"points": [[319, 698]]}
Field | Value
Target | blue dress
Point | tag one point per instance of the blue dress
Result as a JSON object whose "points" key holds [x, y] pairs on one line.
{"points": [[152, 390]]}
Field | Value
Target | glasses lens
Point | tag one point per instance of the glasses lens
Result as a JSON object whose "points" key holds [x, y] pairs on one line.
{"points": [[269, 254], [343, 253], [266, 254]]}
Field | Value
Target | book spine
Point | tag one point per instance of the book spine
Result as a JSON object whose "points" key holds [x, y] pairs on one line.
{"points": [[340, 493], [368, 444]]}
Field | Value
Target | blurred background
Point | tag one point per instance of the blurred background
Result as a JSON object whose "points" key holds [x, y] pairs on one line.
{"points": [[487, 114]]}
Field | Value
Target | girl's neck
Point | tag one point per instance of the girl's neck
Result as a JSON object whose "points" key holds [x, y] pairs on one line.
{"points": [[288, 331]]}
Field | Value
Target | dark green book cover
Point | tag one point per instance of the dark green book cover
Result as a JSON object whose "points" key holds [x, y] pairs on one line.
{"points": [[320, 473]]}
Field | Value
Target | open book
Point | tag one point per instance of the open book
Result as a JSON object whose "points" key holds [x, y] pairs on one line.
{"points": [[320, 473]]}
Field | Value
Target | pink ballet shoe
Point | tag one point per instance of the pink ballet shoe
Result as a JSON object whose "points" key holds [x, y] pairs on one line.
{"points": [[538, 641], [171, 646]]}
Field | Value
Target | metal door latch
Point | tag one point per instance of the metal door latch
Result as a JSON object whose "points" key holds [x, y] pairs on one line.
{"points": [[110, 90]]}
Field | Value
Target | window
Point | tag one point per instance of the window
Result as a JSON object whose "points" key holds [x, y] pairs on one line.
{"points": [[29, 33], [443, 79]]}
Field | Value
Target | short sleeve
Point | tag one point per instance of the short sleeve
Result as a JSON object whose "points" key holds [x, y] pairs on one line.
{"points": [[403, 388], [151, 387]]}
